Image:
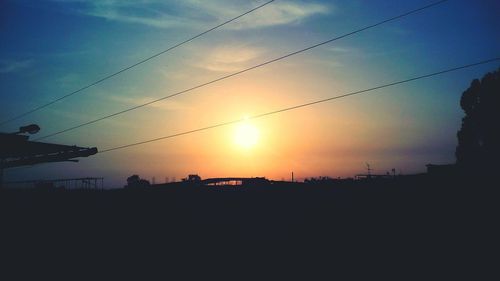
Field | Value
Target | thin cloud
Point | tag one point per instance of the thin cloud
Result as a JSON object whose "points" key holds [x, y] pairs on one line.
{"points": [[281, 13], [342, 50], [197, 13], [229, 58], [135, 14], [12, 66], [69, 81]]}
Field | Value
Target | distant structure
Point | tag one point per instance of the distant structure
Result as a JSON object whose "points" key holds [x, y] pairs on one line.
{"points": [[368, 169], [17, 150], [59, 184], [235, 181], [195, 180], [369, 174], [373, 176]]}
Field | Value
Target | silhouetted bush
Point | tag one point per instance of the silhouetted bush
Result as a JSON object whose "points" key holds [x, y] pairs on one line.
{"points": [[135, 181]]}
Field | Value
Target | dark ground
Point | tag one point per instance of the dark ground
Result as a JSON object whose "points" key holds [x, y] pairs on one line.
{"points": [[406, 228]]}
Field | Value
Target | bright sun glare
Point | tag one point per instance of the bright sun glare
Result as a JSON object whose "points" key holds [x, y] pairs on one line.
{"points": [[246, 135]]}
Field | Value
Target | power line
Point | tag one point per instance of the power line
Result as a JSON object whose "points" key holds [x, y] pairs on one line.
{"points": [[306, 104], [133, 65], [244, 70]]}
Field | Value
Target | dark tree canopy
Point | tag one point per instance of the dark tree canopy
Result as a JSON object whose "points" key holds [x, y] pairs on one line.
{"points": [[478, 139], [135, 181]]}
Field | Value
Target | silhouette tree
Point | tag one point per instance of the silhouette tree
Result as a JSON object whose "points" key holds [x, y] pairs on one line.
{"points": [[135, 181], [478, 139]]}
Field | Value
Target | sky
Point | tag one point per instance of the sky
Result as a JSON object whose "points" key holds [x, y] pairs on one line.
{"points": [[53, 47]]}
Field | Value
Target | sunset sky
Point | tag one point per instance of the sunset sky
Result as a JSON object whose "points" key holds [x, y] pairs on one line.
{"points": [[53, 47]]}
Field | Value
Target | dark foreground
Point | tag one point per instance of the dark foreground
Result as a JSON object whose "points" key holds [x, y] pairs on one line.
{"points": [[413, 228]]}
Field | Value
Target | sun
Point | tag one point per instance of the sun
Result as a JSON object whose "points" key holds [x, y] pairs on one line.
{"points": [[246, 135]]}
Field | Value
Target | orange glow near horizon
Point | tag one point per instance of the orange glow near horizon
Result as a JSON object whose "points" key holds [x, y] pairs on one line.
{"points": [[330, 139]]}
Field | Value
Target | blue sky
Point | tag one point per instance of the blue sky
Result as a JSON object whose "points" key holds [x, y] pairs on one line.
{"points": [[51, 48]]}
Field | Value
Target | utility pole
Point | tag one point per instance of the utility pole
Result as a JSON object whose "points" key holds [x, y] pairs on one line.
{"points": [[292, 176]]}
